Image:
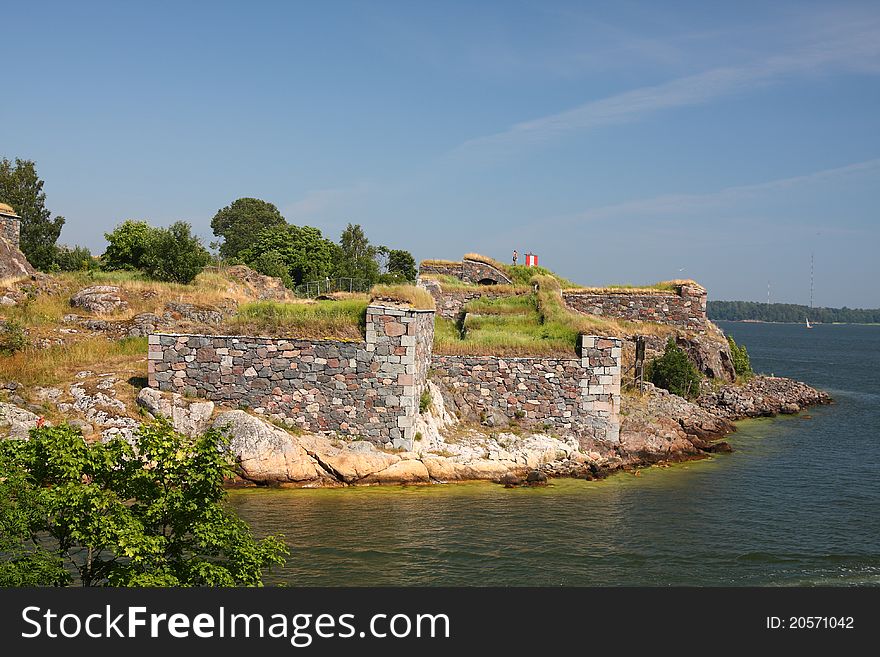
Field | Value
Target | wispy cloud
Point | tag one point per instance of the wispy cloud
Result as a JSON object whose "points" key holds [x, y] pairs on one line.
{"points": [[319, 202], [678, 205], [849, 44]]}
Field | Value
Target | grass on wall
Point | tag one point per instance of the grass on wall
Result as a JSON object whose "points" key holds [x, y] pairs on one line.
{"points": [[529, 325], [336, 320]]}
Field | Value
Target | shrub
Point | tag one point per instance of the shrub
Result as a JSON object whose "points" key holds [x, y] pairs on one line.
{"points": [[126, 245], [148, 514], [12, 337], [272, 263], [742, 364], [174, 254], [674, 372], [425, 401]]}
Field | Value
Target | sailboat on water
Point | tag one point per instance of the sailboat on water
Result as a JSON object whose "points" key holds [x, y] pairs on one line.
{"points": [[808, 322]]}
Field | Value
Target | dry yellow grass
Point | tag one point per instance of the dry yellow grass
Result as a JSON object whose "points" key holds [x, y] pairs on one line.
{"points": [[663, 287], [409, 295], [436, 261], [479, 257], [60, 363]]}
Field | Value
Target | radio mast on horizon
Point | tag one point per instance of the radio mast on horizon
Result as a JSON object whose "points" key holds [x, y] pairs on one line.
{"points": [[811, 280]]}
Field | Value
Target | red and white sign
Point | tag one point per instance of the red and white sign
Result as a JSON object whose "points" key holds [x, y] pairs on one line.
{"points": [[531, 260]]}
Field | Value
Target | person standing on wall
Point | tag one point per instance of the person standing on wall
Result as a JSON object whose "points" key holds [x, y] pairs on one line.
{"points": [[515, 256]]}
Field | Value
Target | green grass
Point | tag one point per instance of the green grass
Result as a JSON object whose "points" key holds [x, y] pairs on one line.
{"points": [[528, 325], [522, 275], [338, 320]]}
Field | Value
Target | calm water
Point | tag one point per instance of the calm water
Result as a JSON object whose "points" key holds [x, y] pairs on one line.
{"points": [[797, 503]]}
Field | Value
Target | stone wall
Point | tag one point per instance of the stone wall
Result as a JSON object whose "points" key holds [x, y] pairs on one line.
{"points": [[684, 308], [440, 268], [468, 271], [10, 229], [576, 395], [369, 389]]}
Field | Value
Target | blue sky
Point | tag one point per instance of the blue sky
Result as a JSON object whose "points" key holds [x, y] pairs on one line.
{"points": [[624, 142]]}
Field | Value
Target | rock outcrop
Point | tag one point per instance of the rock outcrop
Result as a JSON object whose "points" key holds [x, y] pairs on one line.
{"points": [[187, 416], [760, 397], [99, 299], [13, 264], [16, 422]]}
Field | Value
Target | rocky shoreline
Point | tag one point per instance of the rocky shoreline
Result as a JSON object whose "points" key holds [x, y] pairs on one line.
{"points": [[657, 427]]}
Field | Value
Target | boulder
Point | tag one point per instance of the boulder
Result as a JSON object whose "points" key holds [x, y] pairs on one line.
{"points": [[190, 417], [99, 299], [16, 422], [13, 264], [267, 454], [403, 472]]}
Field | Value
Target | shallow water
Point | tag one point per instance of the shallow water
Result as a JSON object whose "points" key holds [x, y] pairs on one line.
{"points": [[797, 503]]}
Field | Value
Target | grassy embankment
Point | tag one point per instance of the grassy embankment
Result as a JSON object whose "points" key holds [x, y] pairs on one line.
{"points": [[527, 325]]}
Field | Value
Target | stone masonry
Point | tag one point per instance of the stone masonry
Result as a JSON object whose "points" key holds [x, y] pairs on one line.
{"points": [[469, 271], [576, 395], [684, 308], [369, 389], [10, 225]]}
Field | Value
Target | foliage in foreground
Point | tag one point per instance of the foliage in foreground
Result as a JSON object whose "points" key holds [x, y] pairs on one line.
{"points": [[113, 514], [674, 371]]}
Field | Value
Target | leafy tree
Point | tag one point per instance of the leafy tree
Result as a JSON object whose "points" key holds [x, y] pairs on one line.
{"points": [[742, 364], [73, 258], [148, 514], [305, 253], [240, 221], [126, 245], [674, 372], [174, 254], [21, 188], [358, 256], [273, 263], [402, 262]]}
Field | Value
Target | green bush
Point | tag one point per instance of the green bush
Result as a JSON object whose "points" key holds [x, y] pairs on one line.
{"points": [[174, 254], [126, 245], [114, 514], [272, 263], [73, 258], [742, 364], [425, 401], [12, 337], [674, 371]]}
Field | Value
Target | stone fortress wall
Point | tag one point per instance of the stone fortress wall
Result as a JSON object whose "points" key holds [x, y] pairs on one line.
{"points": [[684, 308], [371, 389]]}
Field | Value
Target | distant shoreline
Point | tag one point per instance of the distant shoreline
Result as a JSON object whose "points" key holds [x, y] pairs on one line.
{"points": [[762, 321]]}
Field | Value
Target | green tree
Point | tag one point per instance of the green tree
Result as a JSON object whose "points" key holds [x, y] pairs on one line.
{"points": [[21, 188], [742, 364], [174, 254], [126, 245], [402, 262], [357, 255], [240, 221], [73, 258], [148, 514], [674, 371], [305, 253]]}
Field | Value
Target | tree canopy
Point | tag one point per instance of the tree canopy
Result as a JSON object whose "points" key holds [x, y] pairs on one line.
{"points": [[294, 253], [21, 187], [147, 514], [357, 256], [789, 312], [240, 221]]}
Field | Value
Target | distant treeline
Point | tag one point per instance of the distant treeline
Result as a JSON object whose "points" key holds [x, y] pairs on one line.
{"points": [[788, 312]]}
